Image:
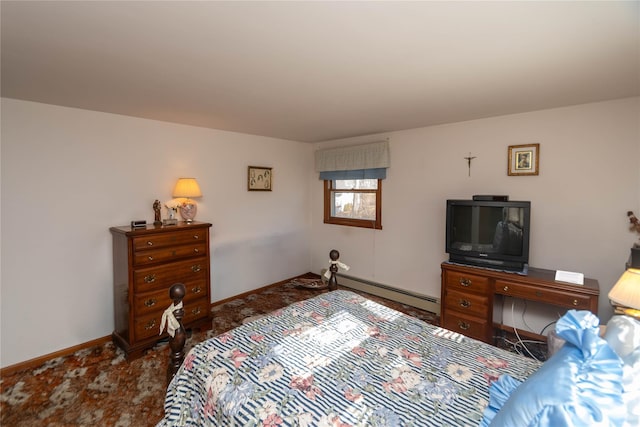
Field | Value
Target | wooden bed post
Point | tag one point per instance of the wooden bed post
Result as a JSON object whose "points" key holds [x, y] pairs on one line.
{"points": [[178, 340], [333, 268]]}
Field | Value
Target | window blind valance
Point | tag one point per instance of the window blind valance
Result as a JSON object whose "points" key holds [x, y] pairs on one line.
{"points": [[356, 157], [376, 173]]}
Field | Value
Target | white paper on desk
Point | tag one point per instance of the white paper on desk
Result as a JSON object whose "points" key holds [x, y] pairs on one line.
{"points": [[570, 277]]}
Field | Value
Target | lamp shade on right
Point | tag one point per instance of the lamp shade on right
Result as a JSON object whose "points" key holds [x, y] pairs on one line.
{"points": [[626, 291]]}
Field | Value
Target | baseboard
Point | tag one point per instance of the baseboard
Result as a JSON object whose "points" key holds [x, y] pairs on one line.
{"points": [[38, 361], [413, 299]]}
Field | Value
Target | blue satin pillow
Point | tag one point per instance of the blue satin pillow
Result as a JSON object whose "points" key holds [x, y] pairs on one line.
{"points": [[580, 385]]}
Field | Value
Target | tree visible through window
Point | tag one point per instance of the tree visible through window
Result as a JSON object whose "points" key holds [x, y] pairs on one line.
{"points": [[353, 202]]}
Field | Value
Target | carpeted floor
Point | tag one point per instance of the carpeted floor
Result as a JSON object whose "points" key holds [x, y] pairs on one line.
{"points": [[98, 387]]}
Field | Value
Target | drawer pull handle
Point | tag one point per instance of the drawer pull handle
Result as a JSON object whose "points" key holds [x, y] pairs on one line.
{"points": [[575, 302], [196, 250], [150, 302], [150, 278], [506, 288], [465, 282], [150, 258], [196, 290], [196, 268], [150, 325], [463, 325], [195, 311], [149, 243], [465, 303], [196, 236]]}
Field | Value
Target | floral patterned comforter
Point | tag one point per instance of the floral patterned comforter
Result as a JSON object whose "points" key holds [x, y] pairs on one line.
{"points": [[338, 359]]}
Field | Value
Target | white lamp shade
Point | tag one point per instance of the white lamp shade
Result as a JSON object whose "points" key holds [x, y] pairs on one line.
{"points": [[626, 291], [187, 187]]}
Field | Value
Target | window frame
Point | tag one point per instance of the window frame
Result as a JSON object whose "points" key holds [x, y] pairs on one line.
{"points": [[352, 222]]}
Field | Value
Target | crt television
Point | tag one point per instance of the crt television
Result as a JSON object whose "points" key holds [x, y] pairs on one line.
{"points": [[492, 234]]}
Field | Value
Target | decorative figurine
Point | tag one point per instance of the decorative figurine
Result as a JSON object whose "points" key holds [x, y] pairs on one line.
{"points": [[172, 211], [156, 209]]}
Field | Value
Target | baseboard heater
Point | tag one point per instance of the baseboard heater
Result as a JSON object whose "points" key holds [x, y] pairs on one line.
{"points": [[413, 299]]}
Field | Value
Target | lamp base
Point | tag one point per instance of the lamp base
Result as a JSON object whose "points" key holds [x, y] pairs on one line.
{"points": [[632, 312], [188, 210]]}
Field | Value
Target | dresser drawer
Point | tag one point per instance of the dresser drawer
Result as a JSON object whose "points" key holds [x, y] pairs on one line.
{"points": [[169, 254], [466, 282], [163, 276], [466, 325], [550, 296], [149, 325], [152, 241], [471, 304], [149, 302], [195, 310]]}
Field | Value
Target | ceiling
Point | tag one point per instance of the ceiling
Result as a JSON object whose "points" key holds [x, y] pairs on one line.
{"points": [[313, 71]]}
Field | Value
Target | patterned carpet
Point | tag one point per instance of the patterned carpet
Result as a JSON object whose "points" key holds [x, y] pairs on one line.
{"points": [[98, 387]]}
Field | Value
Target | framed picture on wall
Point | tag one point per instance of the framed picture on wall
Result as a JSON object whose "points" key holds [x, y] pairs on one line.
{"points": [[259, 178], [524, 159]]}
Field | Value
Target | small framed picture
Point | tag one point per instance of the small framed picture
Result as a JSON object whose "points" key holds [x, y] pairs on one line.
{"points": [[259, 178], [524, 159]]}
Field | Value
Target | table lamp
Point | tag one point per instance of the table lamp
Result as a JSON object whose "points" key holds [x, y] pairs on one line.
{"points": [[187, 188], [625, 294]]}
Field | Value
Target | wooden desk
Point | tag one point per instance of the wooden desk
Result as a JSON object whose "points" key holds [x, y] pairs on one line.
{"points": [[468, 294]]}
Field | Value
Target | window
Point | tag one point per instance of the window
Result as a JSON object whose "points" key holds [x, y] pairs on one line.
{"points": [[353, 202]]}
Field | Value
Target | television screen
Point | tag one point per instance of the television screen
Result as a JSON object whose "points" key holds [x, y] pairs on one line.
{"points": [[488, 233]]}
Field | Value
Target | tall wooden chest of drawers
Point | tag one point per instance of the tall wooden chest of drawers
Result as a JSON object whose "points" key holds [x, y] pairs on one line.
{"points": [[146, 262]]}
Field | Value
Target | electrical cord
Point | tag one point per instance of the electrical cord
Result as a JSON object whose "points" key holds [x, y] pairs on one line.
{"points": [[515, 331], [547, 325], [515, 346], [524, 310]]}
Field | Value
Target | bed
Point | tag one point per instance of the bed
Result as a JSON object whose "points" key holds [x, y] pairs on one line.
{"points": [[338, 359]]}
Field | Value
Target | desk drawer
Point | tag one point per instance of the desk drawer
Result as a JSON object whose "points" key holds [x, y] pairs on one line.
{"points": [[466, 282], [550, 296], [466, 325], [467, 303]]}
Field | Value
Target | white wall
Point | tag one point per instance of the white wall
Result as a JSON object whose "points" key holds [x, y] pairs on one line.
{"points": [[69, 174], [589, 178]]}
